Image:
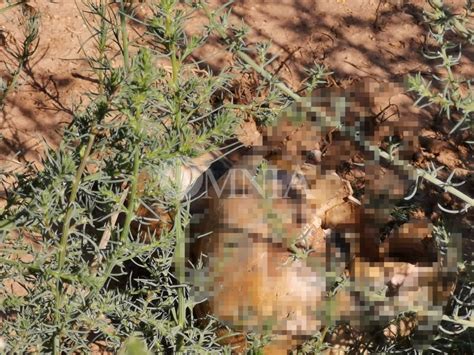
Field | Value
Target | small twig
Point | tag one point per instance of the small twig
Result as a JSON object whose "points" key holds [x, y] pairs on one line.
{"points": [[113, 220], [374, 24], [464, 322], [288, 57], [363, 71], [382, 112]]}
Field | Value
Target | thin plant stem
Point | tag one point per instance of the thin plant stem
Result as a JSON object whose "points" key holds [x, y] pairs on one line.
{"points": [[23, 57], [124, 34], [175, 69], [285, 89], [64, 238], [180, 268], [34, 268], [12, 82], [72, 197], [133, 195], [452, 190], [179, 259], [102, 45]]}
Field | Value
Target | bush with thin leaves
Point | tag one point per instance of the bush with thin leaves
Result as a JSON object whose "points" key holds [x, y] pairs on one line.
{"points": [[60, 290]]}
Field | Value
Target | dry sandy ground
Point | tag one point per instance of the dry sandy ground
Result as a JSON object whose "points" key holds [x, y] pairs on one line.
{"points": [[45, 96], [354, 38]]}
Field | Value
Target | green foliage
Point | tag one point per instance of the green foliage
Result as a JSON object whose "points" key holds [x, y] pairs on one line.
{"points": [[454, 95], [70, 292], [75, 273], [317, 76], [257, 343], [21, 55], [315, 344], [134, 346]]}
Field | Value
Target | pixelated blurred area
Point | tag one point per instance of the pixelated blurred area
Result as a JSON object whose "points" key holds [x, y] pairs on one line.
{"points": [[367, 256]]}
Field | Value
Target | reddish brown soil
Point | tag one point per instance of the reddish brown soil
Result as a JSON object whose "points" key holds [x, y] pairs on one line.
{"points": [[355, 39]]}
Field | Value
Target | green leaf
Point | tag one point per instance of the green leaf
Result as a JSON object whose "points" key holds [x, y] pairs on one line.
{"points": [[134, 346]]}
